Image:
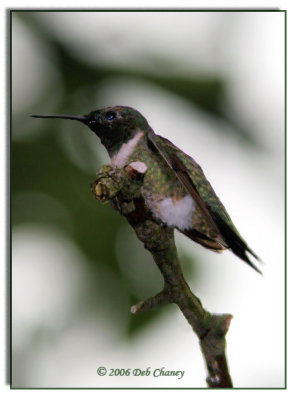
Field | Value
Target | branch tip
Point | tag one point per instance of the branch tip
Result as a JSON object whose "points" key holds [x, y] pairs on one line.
{"points": [[152, 302], [227, 322], [134, 308]]}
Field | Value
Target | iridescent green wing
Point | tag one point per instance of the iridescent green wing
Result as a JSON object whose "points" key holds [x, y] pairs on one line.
{"points": [[191, 176], [201, 183]]}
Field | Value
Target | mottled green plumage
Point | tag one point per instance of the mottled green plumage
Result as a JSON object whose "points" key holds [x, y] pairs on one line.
{"points": [[160, 182], [175, 188]]}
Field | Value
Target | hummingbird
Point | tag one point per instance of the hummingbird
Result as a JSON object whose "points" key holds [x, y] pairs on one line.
{"points": [[175, 189]]}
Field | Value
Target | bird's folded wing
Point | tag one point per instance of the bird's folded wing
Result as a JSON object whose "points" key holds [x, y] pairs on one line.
{"points": [[175, 163], [215, 214]]}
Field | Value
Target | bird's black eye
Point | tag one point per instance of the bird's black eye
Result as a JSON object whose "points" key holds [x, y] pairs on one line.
{"points": [[110, 115]]}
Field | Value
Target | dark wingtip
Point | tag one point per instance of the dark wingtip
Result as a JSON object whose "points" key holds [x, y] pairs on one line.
{"points": [[255, 256], [254, 267], [234, 241], [242, 254]]}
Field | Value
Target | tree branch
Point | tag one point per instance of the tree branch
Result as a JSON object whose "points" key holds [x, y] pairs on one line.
{"points": [[122, 187]]}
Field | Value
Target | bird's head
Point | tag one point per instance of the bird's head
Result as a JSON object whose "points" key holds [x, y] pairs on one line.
{"points": [[113, 125]]}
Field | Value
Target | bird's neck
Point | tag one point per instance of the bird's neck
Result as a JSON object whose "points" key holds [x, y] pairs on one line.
{"points": [[120, 155]]}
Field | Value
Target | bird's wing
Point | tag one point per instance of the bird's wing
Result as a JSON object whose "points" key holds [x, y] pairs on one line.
{"points": [[192, 178]]}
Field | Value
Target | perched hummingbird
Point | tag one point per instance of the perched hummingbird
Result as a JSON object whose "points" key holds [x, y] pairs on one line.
{"points": [[175, 188]]}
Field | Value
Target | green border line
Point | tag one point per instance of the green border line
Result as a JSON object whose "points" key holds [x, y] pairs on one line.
{"points": [[9, 340]]}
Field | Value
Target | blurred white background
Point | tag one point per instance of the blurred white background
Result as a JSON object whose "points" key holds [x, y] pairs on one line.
{"points": [[247, 49]]}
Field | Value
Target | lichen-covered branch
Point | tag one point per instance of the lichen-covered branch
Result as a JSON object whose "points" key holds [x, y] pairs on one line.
{"points": [[122, 187]]}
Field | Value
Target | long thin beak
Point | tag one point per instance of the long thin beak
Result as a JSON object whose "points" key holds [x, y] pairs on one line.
{"points": [[81, 118]]}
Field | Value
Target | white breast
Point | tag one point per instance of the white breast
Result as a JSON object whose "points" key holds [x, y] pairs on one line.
{"points": [[120, 159], [178, 213]]}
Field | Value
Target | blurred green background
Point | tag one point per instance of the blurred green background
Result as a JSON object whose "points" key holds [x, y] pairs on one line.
{"points": [[212, 82]]}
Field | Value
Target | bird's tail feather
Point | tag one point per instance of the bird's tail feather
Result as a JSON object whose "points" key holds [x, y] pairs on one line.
{"points": [[234, 241]]}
